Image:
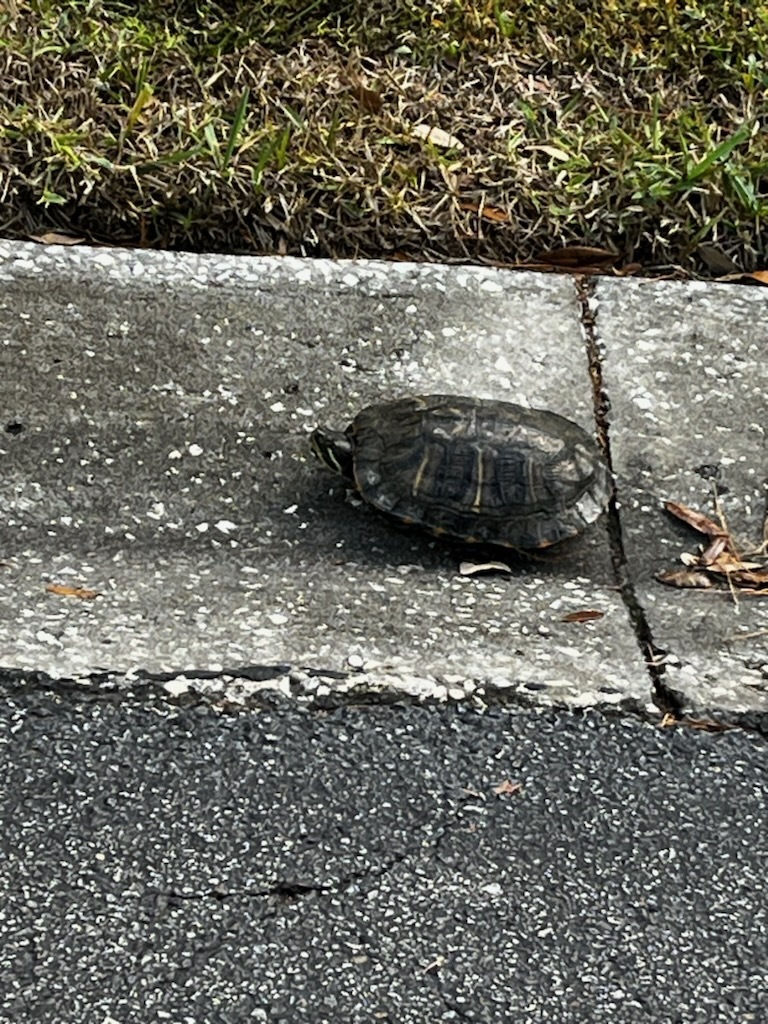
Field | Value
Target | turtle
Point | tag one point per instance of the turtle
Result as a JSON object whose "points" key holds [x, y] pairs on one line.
{"points": [[472, 469]]}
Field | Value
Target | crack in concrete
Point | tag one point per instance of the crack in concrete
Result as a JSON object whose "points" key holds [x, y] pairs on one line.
{"points": [[664, 697]]}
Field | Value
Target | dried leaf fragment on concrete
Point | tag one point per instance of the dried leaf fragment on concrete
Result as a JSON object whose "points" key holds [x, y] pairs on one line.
{"points": [[719, 564], [695, 519], [475, 568], [64, 590], [705, 724], [585, 615], [749, 578], [685, 578]]}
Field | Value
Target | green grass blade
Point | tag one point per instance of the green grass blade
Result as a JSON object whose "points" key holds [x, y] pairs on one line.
{"points": [[209, 134], [717, 155], [143, 96], [237, 127], [745, 190]]}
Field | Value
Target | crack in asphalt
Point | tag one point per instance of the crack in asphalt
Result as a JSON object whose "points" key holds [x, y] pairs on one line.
{"points": [[664, 697], [289, 890]]}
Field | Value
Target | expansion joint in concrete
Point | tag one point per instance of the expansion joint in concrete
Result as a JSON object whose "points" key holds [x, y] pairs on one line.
{"points": [[653, 656]]}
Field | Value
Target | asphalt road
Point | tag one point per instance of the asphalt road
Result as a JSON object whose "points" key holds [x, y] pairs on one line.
{"points": [[193, 864]]}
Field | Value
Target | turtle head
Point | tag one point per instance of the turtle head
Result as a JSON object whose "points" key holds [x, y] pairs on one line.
{"points": [[334, 449]]}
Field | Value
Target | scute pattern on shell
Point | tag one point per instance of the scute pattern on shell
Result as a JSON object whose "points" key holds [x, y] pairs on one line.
{"points": [[479, 470]]}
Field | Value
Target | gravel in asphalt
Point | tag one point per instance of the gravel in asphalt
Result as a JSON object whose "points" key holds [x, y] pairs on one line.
{"points": [[360, 864]]}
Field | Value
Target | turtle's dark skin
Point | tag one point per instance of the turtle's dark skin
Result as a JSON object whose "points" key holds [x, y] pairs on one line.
{"points": [[481, 471]]}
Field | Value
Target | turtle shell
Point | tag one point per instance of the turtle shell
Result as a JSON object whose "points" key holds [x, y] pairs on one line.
{"points": [[482, 471]]}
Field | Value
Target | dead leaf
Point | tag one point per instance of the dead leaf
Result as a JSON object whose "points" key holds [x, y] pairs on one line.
{"points": [[582, 258], [369, 99], [719, 564], [705, 724], [548, 268], [507, 788], [64, 590], [486, 212], [755, 277], [714, 550], [586, 615], [685, 578], [475, 568], [554, 151], [727, 563], [699, 522], [54, 238], [436, 136], [749, 578], [716, 260]]}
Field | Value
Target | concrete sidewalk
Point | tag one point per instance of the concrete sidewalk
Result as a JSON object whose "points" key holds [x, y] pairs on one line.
{"points": [[156, 409]]}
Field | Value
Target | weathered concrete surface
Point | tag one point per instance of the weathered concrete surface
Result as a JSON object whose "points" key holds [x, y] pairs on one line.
{"points": [[686, 373], [156, 411]]}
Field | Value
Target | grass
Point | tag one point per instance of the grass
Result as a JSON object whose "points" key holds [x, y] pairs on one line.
{"points": [[303, 127]]}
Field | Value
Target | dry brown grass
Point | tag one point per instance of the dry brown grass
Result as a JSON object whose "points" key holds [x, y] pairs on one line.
{"points": [[283, 128]]}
